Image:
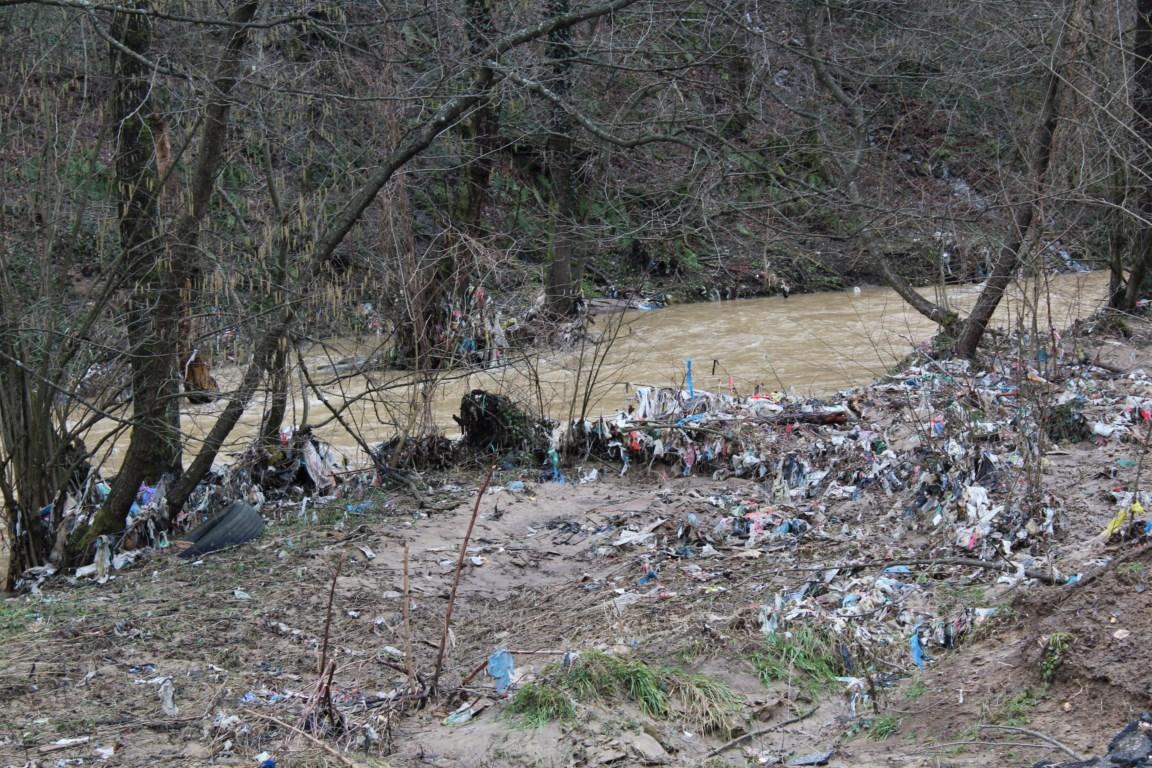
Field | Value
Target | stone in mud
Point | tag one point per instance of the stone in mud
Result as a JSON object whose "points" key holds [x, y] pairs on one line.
{"points": [[196, 751], [816, 758], [609, 756], [649, 750]]}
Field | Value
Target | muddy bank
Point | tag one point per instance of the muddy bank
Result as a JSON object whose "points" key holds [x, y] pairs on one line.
{"points": [[880, 590]]}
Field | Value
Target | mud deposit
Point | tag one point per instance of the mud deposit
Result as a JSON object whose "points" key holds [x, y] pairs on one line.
{"points": [[732, 616]]}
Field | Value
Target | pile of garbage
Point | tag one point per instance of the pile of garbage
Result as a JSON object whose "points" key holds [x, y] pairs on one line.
{"points": [[931, 478], [228, 500], [811, 453]]}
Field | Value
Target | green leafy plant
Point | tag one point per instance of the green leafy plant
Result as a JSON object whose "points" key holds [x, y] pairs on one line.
{"points": [[1017, 710], [13, 620], [1056, 649], [1130, 573], [916, 689]]}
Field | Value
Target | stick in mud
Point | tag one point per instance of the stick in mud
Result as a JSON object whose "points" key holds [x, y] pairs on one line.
{"points": [[759, 732], [408, 626], [456, 579], [328, 616], [1036, 734]]}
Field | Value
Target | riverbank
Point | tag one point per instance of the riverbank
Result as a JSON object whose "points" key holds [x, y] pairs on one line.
{"points": [[814, 344], [940, 563], [807, 271]]}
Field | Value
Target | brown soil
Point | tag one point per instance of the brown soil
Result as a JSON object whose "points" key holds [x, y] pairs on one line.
{"points": [[240, 634]]}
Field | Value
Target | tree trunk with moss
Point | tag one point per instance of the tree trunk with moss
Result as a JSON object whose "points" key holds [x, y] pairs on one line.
{"points": [[153, 306], [159, 263]]}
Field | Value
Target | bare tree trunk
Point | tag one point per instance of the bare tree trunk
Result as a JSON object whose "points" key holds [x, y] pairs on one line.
{"points": [[1119, 230], [1003, 272], [277, 396], [442, 276], [1026, 213], [254, 374], [565, 268], [930, 309], [1142, 128], [481, 128], [31, 473]]}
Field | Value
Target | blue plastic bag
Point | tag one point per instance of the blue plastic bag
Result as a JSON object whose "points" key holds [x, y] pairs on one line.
{"points": [[917, 648], [500, 667]]}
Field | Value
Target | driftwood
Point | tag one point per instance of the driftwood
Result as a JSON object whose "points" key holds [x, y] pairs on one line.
{"points": [[492, 422], [759, 732], [806, 417]]}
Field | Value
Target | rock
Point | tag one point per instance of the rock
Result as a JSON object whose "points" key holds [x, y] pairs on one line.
{"points": [[1133, 745], [669, 746], [609, 756], [196, 751], [649, 750], [816, 758]]}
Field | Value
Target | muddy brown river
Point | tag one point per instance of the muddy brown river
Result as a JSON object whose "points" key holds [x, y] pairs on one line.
{"points": [[813, 344]]}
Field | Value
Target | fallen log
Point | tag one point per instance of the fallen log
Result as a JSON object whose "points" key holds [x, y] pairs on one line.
{"points": [[806, 417]]}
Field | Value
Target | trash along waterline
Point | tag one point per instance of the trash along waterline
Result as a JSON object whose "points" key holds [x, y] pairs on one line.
{"points": [[811, 343]]}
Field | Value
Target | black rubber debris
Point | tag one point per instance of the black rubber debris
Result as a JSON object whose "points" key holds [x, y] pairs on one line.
{"points": [[234, 526]]}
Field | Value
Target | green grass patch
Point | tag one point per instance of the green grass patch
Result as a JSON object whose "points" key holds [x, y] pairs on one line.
{"points": [[883, 727], [805, 656], [14, 619], [916, 689], [711, 705], [961, 594], [538, 703], [1130, 573], [696, 699], [695, 649], [1016, 711]]}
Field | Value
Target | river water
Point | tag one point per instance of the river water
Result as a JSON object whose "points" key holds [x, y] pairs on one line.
{"points": [[813, 344]]}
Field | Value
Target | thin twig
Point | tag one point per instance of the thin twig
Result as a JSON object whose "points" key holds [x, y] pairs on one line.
{"points": [[328, 617], [330, 750], [759, 732], [408, 626], [972, 743], [456, 579], [1036, 734]]}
